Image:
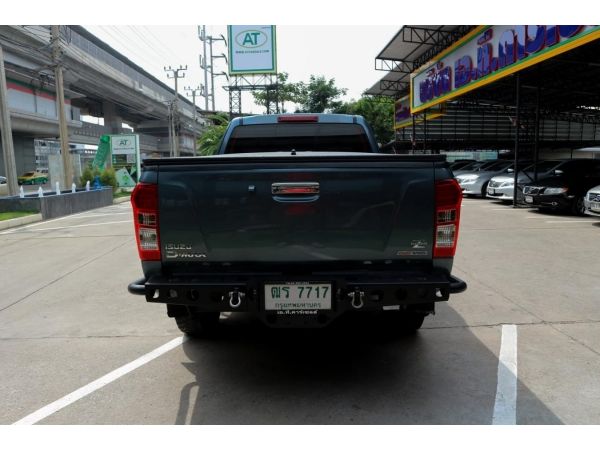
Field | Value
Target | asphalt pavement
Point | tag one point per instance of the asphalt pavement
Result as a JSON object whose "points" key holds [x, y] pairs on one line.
{"points": [[76, 348]]}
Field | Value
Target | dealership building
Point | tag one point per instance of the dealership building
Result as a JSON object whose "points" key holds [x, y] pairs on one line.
{"points": [[526, 91]]}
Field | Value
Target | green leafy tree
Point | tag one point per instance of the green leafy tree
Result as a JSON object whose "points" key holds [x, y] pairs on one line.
{"points": [[319, 95], [379, 114], [210, 140], [286, 92]]}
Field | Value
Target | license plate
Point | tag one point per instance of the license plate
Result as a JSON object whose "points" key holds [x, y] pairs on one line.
{"points": [[595, 206], [528, 199], [297, 296]]}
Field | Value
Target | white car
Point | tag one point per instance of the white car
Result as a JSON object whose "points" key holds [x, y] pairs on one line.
{"points": [[592, 201], [501, 187]]}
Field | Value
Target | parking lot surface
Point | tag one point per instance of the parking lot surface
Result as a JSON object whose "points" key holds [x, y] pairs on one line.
{"points": [[66, 320]]}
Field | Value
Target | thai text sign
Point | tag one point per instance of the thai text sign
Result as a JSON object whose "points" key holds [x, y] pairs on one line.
{"points": [[252, 49], [489, 53], [404, 118]]}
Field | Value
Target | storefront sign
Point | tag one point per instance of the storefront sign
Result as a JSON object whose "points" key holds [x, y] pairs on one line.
{"points": [[489, 53], [125, 149], [404, 118]]}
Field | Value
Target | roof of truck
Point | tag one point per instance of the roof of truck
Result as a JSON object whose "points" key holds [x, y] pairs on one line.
{"points": [[321, 118]]}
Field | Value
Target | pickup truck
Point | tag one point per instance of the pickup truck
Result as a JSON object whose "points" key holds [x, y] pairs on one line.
{"points": [[297, 219]]}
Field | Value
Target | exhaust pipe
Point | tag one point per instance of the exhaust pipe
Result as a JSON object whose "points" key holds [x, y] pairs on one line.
{"points": [[357, 299], [235, 299]]}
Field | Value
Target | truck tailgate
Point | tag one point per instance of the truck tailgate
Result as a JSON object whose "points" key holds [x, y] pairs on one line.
{"points": [[317, 208]]}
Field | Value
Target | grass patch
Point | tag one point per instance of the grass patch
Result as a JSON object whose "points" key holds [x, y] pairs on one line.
{"points": [[15, 214]]}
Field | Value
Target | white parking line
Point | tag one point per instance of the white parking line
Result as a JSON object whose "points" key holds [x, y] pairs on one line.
{"points": [[61, 403], [79, 226], [570, 221], [505, 407]]}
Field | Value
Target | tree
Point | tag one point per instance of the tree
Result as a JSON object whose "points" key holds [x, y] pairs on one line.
{"points": [[286, 92], [379, 114], [319, 95], [210, 140]]}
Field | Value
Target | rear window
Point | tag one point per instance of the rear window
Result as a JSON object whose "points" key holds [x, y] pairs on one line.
{"points": [[315, 137]]}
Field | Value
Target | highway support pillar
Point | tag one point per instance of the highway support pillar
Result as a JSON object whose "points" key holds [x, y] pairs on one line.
{"points": [[8, 149]]}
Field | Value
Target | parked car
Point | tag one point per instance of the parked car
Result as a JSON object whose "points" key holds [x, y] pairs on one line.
{"points": [[460, 163], [476, 182], [297, 220], [474, 166], [33, 177], [566, 187], [592, 201], [2, 180], [501, 187]]}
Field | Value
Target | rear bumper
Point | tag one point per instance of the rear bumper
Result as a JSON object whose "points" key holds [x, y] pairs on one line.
{"points": [[380, 291]]}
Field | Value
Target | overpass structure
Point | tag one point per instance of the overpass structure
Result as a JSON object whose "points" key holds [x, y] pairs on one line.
{"points": [[98, 82]]}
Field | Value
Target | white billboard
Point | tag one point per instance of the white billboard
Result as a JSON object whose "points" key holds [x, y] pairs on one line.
{"points": [[252, 49]]}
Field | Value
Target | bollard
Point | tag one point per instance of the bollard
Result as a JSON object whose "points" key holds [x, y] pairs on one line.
{"points": [[73, 188], [21, 192], [87, 186], [40, 192], [57, 189]]}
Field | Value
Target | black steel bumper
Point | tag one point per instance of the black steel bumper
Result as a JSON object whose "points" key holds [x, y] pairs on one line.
{"points": [[212, 292]]}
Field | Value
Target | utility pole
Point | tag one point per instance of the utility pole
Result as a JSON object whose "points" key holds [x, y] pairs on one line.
{"points": [[204, 58], [212, 64], [192, 92], [203, 65], [60, 100], [174, 73], [6, 130]]}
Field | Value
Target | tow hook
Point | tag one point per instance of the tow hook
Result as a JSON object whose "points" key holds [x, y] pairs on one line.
{"points": [[235, 298], [357, 299]]}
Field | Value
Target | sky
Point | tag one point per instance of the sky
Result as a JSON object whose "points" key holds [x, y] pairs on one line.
{"points": [[346, 53]]}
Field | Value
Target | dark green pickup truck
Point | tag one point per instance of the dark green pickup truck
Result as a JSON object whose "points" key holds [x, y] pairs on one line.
{"points": [[297, 219]]}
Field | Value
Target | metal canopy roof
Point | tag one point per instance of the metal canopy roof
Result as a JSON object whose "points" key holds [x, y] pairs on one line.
{"points": [[410, 48]]}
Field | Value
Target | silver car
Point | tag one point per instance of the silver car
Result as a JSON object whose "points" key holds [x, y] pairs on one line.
{"points": [[592, 201], [475, 182], [501, 187], [474, 166]]}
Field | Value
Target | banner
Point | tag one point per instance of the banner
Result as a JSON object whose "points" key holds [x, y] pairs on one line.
{"points": [[489, 53], [102, 152], [403, 117], [252, 49]]}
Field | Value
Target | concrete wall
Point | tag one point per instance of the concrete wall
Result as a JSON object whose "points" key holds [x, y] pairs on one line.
{"points": [[51, 206]]}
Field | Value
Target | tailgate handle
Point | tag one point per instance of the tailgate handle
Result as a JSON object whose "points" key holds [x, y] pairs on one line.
{"points": [[302, 188]]}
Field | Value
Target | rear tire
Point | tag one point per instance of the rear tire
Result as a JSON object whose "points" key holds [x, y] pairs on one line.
{"points": [[198, 324], [578, 207], [484, 189]]}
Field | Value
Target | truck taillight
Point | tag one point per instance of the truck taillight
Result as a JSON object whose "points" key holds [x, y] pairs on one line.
{"points": [[144, 200], [448, 196]]}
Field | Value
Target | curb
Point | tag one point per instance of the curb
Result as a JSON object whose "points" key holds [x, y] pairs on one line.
{"points": [[116, 201], [10, 223]]}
